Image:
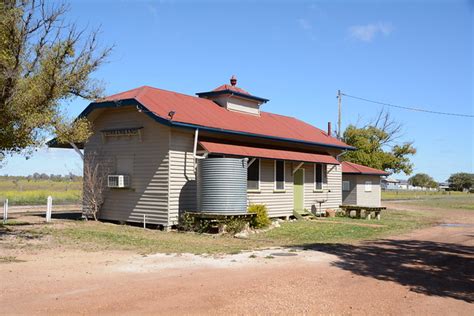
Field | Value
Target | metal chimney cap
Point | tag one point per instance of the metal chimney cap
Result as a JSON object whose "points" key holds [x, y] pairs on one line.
{"points": [[233, 80]]}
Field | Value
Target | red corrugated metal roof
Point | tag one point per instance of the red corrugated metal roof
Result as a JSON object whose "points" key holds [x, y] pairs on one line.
{"points": [[247, 151], [203, 112], [350, 167]]}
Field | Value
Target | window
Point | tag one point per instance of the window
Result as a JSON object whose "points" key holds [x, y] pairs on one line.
{"points": [[368, 186], [279, 175], [346, 185], [253, 175], [319, 176]]}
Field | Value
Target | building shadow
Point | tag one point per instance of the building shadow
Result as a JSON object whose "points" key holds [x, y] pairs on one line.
{"points": [[187, 197], [426, 267], [67, 215]]}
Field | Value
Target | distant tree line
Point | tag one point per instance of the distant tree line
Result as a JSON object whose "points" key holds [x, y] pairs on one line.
{"points": [[461, 181], [43, 176]]}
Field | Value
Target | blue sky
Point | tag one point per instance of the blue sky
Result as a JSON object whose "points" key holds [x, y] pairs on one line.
{"points": [[297, 54]]}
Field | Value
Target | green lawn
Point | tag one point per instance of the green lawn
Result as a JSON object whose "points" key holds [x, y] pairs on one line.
{"points": [[35, 192], [96, 236]]}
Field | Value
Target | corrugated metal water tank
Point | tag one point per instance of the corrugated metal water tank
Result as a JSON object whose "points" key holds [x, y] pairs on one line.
{"points": [[222, 185]]}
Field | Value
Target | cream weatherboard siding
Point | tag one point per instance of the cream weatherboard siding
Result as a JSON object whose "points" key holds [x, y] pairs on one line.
{"points": [[146, 162], [281, 203], [358, 195], [371, 198], [331, 190], [163, 180], [182, 181], [350, 197]]}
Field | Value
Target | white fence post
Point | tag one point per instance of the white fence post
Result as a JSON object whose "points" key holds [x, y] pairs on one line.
{"points": [[5, 211], [49, 208], [144, 220]]}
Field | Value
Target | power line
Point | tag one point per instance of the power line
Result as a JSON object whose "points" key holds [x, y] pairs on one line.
{"points": [[408, 108]]}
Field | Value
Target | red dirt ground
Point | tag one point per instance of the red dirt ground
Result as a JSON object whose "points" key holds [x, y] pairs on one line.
{"points": [[429, 271]]}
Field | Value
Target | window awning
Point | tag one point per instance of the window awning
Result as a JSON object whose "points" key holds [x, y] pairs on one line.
{"points": [[255, 152]]}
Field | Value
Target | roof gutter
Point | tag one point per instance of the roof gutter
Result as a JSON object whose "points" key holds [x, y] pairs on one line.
{"points": [[368, 174], [164, 121]]}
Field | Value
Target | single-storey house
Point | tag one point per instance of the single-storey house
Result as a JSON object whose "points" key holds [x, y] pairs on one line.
{"points": [[361, 185], [389, 183], [150, 140]]}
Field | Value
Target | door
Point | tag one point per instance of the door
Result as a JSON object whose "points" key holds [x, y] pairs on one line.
{"points": [[298, 190]]}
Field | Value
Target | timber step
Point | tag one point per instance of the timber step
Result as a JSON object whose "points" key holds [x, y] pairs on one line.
{"points": [[303, 214]]}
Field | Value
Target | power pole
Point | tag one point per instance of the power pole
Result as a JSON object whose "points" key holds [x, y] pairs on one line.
{"points": [[339, 99]]}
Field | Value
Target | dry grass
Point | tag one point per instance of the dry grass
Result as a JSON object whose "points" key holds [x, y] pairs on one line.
{"points": [[35, 192], [420, 195]]}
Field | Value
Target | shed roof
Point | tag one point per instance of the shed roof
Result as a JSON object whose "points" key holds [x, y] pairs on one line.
{"points": [[353, 168], [256, 152], [191, 111]]}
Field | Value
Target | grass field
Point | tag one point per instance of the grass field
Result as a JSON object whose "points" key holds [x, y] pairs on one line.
{"points": [[34, 192], [457, 201], [413, 195], [96, 236], [433, 199]]}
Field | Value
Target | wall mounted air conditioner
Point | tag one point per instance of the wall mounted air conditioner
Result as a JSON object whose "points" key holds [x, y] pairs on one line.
{"points": [[118, 181]]}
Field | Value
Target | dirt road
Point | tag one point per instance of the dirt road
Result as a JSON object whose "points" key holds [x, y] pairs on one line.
{"points": [[430, 271]]}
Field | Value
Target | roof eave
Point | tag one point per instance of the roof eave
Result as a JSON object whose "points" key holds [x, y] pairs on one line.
{"points": [[366, 173], [227, 91], [53, 143], [133, 102]]}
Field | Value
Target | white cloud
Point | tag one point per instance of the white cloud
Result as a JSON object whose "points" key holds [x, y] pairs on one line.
{"points": [[305, 24], [367, 33]]}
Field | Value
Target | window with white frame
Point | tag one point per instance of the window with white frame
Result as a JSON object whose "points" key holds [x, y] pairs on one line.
{"points": [[320, 177], [368, 186], [253, 175], [279, 175], [346, 186]]}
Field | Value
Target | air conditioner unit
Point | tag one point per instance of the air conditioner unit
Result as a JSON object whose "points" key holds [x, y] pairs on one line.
{"points": [[118, 181]]}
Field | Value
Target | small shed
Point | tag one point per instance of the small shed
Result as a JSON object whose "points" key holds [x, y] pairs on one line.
{"points": [[361, 185]]}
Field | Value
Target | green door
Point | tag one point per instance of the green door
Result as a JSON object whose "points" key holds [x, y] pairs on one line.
{"points": [[298, 187]]}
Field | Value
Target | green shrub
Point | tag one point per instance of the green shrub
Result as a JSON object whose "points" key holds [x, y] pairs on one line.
{"points": [[261, 220], [188, 222], [235, 225]]}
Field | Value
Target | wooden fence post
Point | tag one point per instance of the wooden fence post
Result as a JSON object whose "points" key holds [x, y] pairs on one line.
{"points": [[5, 211], [49, 208]]}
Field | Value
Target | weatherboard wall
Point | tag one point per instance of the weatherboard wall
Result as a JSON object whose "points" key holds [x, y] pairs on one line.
{"points": [[182, 180], [145, 160], [350, 197], [331, 192], [368, 198], [279, 202]]}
